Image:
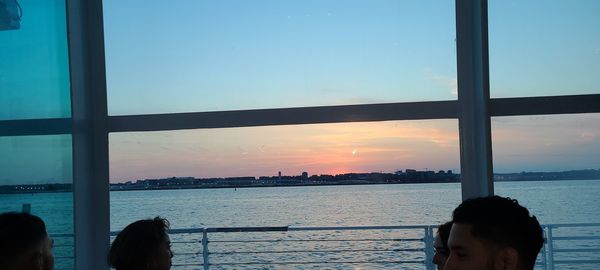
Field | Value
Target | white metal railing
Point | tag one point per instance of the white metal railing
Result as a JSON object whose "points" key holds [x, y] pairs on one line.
{"points": [[422, 245], [280, 243], [408, 247], [585, 246]]}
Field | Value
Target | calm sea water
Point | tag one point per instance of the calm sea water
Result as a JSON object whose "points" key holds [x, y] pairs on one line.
{"points": [[551, 202]]}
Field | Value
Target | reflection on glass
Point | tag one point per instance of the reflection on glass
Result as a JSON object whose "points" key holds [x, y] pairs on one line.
{"points": [[34, 67], [37, 175], [36, 160], [544, 48], [224, 55]]}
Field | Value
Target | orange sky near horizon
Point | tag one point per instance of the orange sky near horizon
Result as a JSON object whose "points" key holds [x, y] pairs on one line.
{"points": [[521, 143], [264, 151]]}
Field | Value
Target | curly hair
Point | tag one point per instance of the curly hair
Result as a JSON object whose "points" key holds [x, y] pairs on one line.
{"points": [[503, 222], [137, 244]]}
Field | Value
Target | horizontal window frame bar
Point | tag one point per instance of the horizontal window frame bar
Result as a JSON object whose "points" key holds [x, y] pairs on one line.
{"points": [[31, 127], [568, 104], [285, 116], [429, 110]]}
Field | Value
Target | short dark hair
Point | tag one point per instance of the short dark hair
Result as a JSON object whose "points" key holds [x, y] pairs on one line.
{"points": [[444, 232], [503, 222], [19, 233], [138, 244]]}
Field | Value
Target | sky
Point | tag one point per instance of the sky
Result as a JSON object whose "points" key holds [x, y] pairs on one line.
{"points": [[182, 56], [189, 56], [264, 151]]}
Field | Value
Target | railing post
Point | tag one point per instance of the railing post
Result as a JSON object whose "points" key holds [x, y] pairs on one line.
{"points": [[429, 248], [544, 254], [205, 249], [26, 208], [550, 248]]}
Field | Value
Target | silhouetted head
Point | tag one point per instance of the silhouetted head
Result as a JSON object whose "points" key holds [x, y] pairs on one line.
{"points": [[142, 245], [440, 245], [493, 233], [24, 243]]}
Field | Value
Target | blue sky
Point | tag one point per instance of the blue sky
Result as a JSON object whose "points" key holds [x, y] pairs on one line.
{"points": [[179, 56], [541, 47]]}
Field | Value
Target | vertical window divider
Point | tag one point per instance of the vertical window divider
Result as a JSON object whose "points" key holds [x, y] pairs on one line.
{"points": [[473, 98], [90, 134]]}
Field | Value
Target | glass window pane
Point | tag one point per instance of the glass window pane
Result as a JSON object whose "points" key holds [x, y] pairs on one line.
{"points": [[544, 48], [550, 165], [34, 64], [37, 171], [185, 56], [320, 149], [562, 148]]}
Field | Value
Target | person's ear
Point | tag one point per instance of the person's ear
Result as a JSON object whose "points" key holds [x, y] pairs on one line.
{"points": [[508, 259]]}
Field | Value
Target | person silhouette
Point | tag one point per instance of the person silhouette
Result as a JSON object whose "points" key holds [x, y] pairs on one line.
{"points": [[24, 243], [493, 233], [142, 245]]}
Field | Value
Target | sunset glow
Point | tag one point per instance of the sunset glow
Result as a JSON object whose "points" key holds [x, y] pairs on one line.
{"points": [[316, 149]]}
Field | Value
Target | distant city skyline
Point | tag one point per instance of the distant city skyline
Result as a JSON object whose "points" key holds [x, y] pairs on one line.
{"points": [[406, 176]]}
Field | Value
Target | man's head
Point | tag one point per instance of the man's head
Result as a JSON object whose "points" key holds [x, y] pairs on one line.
{"points": [[24, 243], [493, 233], [143, 244]]}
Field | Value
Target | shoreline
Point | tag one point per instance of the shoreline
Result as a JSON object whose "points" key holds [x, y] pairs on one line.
{"points": [[277, 185]]}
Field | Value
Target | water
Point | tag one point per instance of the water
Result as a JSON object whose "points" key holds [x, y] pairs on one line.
{"points": [[551, 202], [293, 206]]}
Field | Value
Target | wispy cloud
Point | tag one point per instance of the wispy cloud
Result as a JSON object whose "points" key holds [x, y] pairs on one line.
{"points": [[449, 82]]}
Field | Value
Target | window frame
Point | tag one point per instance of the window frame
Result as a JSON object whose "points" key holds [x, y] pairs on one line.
{"points": [[90, 123]]}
